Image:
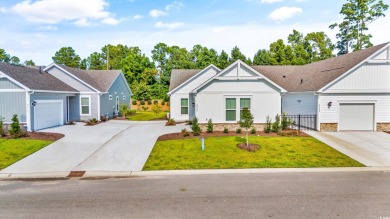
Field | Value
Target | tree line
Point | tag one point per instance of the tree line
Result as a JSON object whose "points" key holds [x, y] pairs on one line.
{"points": [[149, 77]]}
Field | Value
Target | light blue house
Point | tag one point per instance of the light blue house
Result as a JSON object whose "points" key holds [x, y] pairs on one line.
{"points": [[57, 94]]}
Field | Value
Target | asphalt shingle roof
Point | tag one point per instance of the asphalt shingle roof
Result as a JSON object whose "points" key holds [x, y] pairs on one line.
{"points": [[34, 79], [179, 76]]}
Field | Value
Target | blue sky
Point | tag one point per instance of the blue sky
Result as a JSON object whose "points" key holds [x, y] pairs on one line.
{"points": [[36, 29]]}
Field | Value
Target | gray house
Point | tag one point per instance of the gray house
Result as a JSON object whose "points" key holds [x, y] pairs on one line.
{"points": [[57, 94]]}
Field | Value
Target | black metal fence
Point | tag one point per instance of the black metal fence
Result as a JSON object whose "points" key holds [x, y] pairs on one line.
{"points": [[303, 122]]}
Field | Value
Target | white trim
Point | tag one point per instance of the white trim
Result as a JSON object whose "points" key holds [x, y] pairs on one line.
{"points": [[98, 101], [28, 111], [81, 107], [67, 106], [353, 68], [238, 105], [239, 63], [52, 91], [383, 61], [188, 107], [341, 102], [193, 77], [70, 74], [15, 81], [49, 101]]}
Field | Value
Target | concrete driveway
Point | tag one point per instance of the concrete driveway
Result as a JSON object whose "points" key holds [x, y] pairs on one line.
{"points": [[369, 148], [112, 146]]}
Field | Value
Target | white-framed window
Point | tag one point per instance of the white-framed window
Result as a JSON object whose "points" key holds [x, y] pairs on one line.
{"points": [[244, 103], [85, 105], [184, 106], [124, 97], [234, 106], [230, 104], [109, 97]]}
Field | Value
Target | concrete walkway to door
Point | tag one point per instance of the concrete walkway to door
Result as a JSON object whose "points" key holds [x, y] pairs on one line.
{"points": [[113, 146], [369, 148]]}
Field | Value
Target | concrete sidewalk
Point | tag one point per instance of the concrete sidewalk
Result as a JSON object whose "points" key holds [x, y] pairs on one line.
{"points": [[112, 146], [369, 148]]}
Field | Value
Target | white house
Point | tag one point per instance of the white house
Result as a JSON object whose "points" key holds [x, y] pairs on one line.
{"points": [[349, 92]]}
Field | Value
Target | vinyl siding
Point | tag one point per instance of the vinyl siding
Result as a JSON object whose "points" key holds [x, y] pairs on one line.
{"points": [[13, 103], [94, 107], [299, 103], [6, 84], [117, 89], [69, 80]]}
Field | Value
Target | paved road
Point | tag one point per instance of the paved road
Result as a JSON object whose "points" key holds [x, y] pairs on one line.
{"points": [[111, 146], [369, 148], [273, 195]]}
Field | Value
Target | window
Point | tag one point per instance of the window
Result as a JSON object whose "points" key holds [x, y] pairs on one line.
{"points": [[244, 103], [85, 105], [184, 106], [109, 97], [230, 109]]}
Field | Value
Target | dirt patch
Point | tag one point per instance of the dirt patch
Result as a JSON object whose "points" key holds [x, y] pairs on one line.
{"points": [[249, 147], [46, 136], [292, 133]]}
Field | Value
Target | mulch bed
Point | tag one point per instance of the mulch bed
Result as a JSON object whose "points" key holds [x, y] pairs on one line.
{"points": [[173, 136], [249, 147], [46, 136]]}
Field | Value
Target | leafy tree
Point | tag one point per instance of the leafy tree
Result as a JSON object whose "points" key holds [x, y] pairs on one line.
{"points": [[141, 91], [262, 57], [246, 122], [29, 63], [203, 57], [280, 53], [319, 46], [299, 48], [134, 65], [84, 64], [67, 56], [223, 60], [358, 14], [116, 55], [210, 126], [7, 58], [237, 55], [97, 61]]}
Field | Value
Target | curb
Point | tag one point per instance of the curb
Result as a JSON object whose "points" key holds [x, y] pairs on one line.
{"points": [[125, 174]]}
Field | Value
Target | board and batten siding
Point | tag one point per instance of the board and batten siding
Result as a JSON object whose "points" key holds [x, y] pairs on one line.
{"points": [[331, 114], [74, 108], [12, 103], [304, 103], [7, 84], [210, 100], [49, 96], [66, 78], [117, 89]]}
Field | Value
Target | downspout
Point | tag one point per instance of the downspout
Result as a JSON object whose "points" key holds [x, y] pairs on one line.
{"points": [[28, 110]]}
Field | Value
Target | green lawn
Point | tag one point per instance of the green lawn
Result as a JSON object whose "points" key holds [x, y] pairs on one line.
{"points": [[222, 153], [12, 150], [147, 116]]}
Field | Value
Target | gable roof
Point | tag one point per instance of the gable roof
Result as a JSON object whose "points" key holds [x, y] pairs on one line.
{"points": [[316, 75], [101, 80], [179, 76], [33, 79]]}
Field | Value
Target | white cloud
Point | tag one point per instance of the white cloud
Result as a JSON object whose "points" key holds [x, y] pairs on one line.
{"points": [[270, 1], [110, 21], [175, 5], [172, 25], [137, 16], [56, 11], [40, 35], [284, 13], [48, 27], [3, 10], [157, 13]]}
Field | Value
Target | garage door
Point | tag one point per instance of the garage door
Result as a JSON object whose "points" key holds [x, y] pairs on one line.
{"points": [[48, 114], [359, 117]]}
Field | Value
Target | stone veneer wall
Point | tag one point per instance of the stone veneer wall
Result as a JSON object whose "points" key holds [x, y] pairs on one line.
{"points": [[383, 127], [230, 126], [328, 127]]}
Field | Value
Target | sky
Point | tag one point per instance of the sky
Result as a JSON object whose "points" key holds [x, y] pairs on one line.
{"points": [[36, 29]]}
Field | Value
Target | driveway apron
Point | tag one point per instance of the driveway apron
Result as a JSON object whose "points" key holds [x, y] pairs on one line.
{"points": [[369, 148]]}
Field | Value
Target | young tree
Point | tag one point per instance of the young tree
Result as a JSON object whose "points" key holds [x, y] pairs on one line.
{"points": [[358, 14], [236, 54], [67, 56], [223, 60], [262, 57], [15, 129], [246, 122], [157, 109], [195, 127]]}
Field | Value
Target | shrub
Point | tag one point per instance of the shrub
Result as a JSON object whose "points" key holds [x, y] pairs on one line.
{"points": [[157, 109], [124, 110], [149, 102], [2, 130], [142, 102], [155, 102], [286, 122], [132, 111], [162, 103], [185, 132], [103, 118], [253, 130], [210, 126], [171, 122], [134, 102], [195, 127], [168, 103], [276, 124], [225, 130], [144, 108], [15, 129], [92, 121], [238, 131], [268, 125]]}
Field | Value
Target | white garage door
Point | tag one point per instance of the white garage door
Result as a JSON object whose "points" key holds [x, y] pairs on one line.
{"points": [[48, 114], [359, 117]]}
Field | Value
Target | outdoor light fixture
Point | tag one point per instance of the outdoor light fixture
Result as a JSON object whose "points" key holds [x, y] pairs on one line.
{"points": [[193, 104], [330, 104]]}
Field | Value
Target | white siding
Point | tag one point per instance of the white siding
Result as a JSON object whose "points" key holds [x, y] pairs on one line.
{"points": [[198, 80], [299, 103], [369, 78], [331, 114], [69, 80], [94, 107], [239, 86], [383, 55], [175, 107]]}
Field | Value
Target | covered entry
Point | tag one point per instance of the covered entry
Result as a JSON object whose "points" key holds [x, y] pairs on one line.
{"points": [[357, 116]]}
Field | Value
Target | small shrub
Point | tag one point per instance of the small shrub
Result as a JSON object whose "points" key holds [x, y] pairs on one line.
{"points": [[71, 122], [268, 125], [134, 102], [149, 102], [195, 127], [142, 102], [132, 111], [253, 130], [238, 131], [15, 129], [286, 122], [124, 110], [162, 103], [144, 108], [168, 103], [225, 130], [210, 126], [155, 102], [2, 130], [185, 132], [92, 121], [171, 122], [276, 124], [157, 109]]}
